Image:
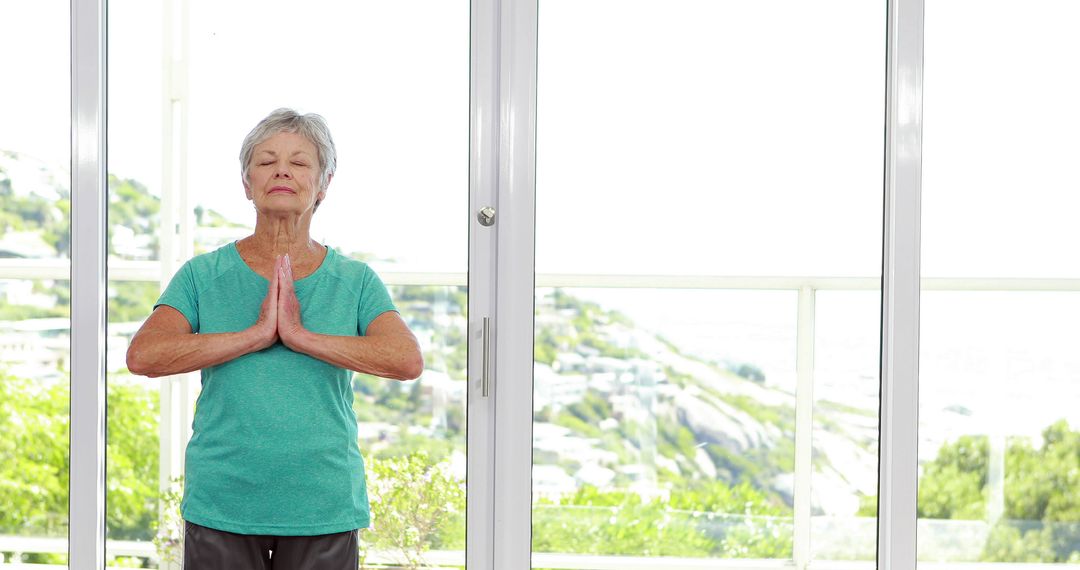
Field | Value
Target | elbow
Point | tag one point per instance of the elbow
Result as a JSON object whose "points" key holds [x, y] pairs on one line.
{"points": [[137, 364], [414, 369], [134, 362]]}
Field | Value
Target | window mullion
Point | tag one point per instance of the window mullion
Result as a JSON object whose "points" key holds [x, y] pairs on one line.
{"points": [[515, 269], [86, 535], [898, 463]]}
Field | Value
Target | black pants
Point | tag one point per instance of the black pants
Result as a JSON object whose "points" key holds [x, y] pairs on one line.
{"points": [[211, 549]]}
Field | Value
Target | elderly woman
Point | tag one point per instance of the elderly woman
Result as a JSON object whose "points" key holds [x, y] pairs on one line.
{"points": [[276, 322]]}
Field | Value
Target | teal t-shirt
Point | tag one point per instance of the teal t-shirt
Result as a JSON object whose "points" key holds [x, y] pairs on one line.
{"points": [[273, 449]]}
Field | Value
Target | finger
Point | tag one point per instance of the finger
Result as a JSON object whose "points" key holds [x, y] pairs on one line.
{"points": [[275, 278], [285, 296], [286, 276]]}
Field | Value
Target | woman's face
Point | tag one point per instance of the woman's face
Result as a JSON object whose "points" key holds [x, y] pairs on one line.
{"points": [[283, 176]]}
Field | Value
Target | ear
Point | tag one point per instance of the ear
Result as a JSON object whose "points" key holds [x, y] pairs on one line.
{"points": [[247, 189]]}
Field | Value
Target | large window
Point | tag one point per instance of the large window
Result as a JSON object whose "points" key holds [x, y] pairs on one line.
{"points": [[999, 437], [706, 347], [35, 292]]}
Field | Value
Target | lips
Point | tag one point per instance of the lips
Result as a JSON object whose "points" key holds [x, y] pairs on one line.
{"points": [[277, 189]]}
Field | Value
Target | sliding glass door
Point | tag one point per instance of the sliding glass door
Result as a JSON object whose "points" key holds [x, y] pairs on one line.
{"points": [[708, 266]]}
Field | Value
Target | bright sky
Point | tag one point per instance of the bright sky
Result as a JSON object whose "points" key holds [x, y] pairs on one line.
{"points": [[708, 137]]}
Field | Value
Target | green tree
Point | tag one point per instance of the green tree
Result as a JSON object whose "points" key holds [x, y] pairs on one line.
{"points": [[133, 460], [1041, 522], [416, 506], [34, 458], [953, 486]]}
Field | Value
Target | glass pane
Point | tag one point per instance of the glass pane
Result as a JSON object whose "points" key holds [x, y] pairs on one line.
{"points": [[989, 142], [696, 113], [396, 96], [694, 139], [664, 432], [133, 454], [136, 476], [999, 439], [135, 54], [35, 291], [398, 111], [847, 389], [413, 434]]}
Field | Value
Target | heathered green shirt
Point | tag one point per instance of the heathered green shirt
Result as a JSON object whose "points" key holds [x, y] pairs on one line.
{"points": [[273, 449]]}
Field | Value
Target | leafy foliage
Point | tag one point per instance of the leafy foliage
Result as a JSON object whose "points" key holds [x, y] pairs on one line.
{"points": [[34, 460], [953, 486], [709, 520], [416, 506], [33, 457], [1041, 522]]}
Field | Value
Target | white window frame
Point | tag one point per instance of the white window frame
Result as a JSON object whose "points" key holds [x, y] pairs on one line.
{"points": [[86, 536], [900, 289], [484, 117]]}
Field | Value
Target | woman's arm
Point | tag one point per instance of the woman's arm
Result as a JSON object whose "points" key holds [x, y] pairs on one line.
{"points": [[388, 349], [166, 345]]}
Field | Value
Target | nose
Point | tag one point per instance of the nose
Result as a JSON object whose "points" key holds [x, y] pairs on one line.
{"points": [[283, 172]]}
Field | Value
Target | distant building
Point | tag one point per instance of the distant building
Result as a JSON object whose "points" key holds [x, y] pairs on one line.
{"points": [[26, 245], [209, 238], [36, 348], [595, 475], [552, 482], [21, 292], [438, 394], [568, 362], [127, 244], [557, 390]]}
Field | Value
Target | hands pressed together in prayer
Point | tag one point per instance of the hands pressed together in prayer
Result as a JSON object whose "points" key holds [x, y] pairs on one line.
{"points": [[279, 316]]}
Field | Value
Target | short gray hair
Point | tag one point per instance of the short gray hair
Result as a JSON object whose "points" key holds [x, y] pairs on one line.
{"points": [[284, 120]]}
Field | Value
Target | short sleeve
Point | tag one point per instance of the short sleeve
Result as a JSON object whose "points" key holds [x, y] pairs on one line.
{"points": [[374, 301], [182, 296]]}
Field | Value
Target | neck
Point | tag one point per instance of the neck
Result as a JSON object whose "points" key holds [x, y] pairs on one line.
{"points": [[286, 234]]}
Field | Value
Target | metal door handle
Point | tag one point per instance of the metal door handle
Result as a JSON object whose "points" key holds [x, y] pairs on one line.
{"points": [[487, 349]]}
